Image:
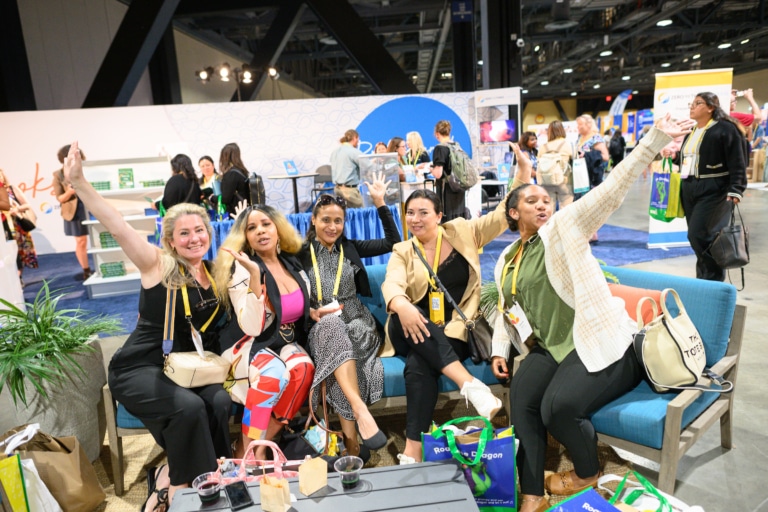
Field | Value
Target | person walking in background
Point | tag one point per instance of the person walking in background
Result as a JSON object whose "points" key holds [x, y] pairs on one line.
{"points": [[453, 203], [592, 147], [345, 169], [183, 186], [73, 213], [616, 147], [26, 255], [743, 118], [562, 194], [234, 180], [528, 145], [190, 424], [713, 171]]}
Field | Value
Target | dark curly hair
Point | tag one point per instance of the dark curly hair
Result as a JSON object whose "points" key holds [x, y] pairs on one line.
{"points": [[513, 199]]}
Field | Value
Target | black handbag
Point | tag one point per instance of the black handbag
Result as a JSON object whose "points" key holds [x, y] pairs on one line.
{"points": [[730, 248], [479, 332]]}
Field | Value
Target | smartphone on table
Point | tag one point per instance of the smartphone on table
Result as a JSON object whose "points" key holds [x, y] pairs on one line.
{"points": [[238, 495]]}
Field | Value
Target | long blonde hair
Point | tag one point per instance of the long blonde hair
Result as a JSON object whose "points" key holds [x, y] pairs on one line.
{"points": [[415, 145], [170, 260], [289, 241]]}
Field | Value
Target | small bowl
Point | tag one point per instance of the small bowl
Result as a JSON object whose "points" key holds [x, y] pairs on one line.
{"points": [[208, 486]]}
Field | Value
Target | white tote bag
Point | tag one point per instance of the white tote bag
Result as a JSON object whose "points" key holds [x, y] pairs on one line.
{"points": [[580, 176]]}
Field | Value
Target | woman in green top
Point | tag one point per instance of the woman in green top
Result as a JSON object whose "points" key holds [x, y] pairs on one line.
{"points": [[554, 297]]}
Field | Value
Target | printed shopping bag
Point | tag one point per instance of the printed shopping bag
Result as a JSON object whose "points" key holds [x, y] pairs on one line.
{"points": [[587, 500], [487, 457], [642, 495], [12, 480], [659, 196], [675, 205], [580, 176]]}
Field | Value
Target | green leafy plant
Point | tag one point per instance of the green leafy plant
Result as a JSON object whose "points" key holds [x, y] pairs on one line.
{"points": [[38, 345]]}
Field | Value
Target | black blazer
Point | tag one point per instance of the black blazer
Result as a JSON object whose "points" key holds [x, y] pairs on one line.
{"points": [[355, 250], [270, 337]]}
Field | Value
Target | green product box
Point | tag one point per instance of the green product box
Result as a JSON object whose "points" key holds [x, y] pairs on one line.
{"points": [[114, 269], [125, 178]]}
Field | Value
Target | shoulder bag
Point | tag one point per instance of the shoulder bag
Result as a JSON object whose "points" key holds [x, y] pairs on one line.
{"points": [[26, 219], [190, 369], [479, 332], [730, 248], [670, 349]]}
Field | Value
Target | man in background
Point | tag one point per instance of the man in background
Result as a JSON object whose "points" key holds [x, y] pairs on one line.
{"points": [[745, 119], [345, 169]]}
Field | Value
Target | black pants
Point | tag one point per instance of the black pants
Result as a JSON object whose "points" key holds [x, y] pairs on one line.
{"points": [[424, 363], [560, 398], [192, 425], [707, 211]]}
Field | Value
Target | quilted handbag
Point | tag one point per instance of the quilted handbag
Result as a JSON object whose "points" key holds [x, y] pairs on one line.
{"points": [[670, 349]]}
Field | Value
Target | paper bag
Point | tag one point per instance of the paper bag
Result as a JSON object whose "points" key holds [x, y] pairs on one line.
{"points": [[313, 476], [275, 495], [63, 467]]}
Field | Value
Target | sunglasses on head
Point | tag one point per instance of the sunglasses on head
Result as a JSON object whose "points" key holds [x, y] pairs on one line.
{"points": [[326, 199], [206, 305]]}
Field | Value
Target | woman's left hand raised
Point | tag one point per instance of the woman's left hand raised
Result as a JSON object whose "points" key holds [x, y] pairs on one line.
{"points": [[378, 188], [524, 164], [73, 164], [241, 206], [674, 128]]}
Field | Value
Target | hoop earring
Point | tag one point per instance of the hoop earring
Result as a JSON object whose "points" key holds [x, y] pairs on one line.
{"points": [[278, 246]]}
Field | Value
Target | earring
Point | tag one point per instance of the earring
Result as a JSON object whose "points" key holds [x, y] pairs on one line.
{"points": [[278, 246]]}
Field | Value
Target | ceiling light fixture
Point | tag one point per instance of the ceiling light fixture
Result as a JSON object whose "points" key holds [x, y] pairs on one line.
{"points": [[664, 23], [606, 53], [635, 92], [568, 70], [573, 93], [545, 82], [536, 48], [665, 64], [697, 56], [596, 86], [723, 46], [525, 91], [247, 75], [626, 77], [224, 71], [480, 62], [744, 41], [204, 75]]}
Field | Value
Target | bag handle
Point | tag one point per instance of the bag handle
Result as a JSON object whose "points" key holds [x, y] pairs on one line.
{"points": [[20, 438], [639, 315], [648, 487], [278, 457], [312, 416], [679, 303], [485, 435]]}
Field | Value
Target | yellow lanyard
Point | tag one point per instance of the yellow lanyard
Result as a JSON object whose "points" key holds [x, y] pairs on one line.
{"points": [[516, 260], [693, 141], [436, 261], [188, 311], [317, 273]]}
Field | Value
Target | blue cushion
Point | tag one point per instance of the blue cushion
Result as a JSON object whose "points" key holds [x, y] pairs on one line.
{"points": [[375, 303], [639, 415], [394, 383], [126, 419], [710, 304]]}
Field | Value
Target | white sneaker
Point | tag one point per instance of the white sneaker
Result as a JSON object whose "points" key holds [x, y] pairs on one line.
{"points": [[485, 402], [404, 459]]}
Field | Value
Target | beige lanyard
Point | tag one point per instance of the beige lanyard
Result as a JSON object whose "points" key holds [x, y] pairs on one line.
{"points": [[317, 273], [436, 260]]}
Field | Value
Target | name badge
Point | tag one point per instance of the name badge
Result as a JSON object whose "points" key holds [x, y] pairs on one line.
{"points": [[685, 169], [516, 317], [437, 308]]}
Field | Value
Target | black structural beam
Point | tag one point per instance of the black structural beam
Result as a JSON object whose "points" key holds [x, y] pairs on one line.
{"points": [[502, 58], [128, 56], [363, 47], [270, 48], [188, 8], [164, 71], [464, 56], [16, 91]]}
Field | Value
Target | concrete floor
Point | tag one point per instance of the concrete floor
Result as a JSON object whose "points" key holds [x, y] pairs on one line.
{"points": [[708, 475]]}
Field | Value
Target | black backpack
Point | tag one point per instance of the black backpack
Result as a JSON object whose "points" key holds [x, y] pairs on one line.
{"points": [[255, 188]]}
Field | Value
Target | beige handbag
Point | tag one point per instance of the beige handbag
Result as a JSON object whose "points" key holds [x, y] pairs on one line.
{"points": [[190, 369], [670, 349]]}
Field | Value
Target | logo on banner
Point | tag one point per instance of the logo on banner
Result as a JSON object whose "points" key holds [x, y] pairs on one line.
{"points": [[663, 98]]}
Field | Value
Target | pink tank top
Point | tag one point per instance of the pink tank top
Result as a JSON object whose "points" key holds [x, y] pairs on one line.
{"points": [[293, 306]]}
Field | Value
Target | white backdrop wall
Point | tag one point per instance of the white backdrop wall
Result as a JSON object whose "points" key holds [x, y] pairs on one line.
{"points": [[268, 132]]}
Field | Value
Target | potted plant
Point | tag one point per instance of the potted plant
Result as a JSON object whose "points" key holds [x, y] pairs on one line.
{"points": [[51, 372]]}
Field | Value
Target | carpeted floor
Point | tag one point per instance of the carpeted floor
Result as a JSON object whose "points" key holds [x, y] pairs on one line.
{"points": [[141, 452]]}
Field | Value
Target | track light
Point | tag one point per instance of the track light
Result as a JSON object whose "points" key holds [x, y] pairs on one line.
{"points": [[246, 76], [224, 72], [204, 75]]}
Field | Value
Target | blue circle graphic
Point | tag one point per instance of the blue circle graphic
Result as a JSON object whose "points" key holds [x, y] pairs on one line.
{"points": [[397, 117]]}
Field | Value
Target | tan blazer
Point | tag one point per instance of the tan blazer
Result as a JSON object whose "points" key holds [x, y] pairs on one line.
{"points": [[68, 208], [406, 276]]}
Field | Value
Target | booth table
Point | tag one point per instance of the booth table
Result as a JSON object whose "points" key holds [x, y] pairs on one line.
{"points": [[293, 183], [423, 486]]}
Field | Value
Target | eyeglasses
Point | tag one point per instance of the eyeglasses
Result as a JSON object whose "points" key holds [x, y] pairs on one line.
{"points": [[401, 146], [206, 305], [696, 104], [326, 199]]}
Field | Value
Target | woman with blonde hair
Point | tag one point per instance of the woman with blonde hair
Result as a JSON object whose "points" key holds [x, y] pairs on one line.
{"points": [[269, 293], [593, 148], [417, 155]]}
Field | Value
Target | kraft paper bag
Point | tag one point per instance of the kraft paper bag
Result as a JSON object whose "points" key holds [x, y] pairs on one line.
{"points": [[64, 468], [275, 494]]}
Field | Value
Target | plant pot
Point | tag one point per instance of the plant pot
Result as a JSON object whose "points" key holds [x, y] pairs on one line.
{"points": [[73, 408]]}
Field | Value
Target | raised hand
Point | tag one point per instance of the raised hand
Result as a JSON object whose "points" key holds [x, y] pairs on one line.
{"points": [[248, 264], [378, 188], [524, 164], [674, 128], [73, 164], [239, 208]]}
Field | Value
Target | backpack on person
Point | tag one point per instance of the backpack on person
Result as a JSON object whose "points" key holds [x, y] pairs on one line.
{"points": [[616, 148], [257, 194], [464, 174], [553, 166]]}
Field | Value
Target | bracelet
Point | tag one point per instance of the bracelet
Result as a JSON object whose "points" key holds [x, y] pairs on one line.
{"points": [[249, 290]]}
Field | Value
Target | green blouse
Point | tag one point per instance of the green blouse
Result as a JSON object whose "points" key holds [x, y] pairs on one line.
{"points": [[551, 319]]}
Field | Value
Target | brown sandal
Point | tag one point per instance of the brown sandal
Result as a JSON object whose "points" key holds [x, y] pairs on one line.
{"points": [[562, 484], [544, 504]]}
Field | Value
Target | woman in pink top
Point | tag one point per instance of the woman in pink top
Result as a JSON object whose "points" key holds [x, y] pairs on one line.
{"points": [[272, 372]]}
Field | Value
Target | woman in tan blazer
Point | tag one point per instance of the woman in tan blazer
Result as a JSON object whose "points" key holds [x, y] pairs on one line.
{"points": [[73, 213], [433, 347]]}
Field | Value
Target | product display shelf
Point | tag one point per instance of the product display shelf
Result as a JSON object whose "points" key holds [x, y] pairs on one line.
{"points": [[134, 203]]}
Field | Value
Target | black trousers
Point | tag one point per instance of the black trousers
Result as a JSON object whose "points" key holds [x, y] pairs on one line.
{"points": [[707, 211], [560, 398], [192, 425], [424, 363]]}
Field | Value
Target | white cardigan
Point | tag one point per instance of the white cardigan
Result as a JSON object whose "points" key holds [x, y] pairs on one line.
{"points": [[602, 329]]}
